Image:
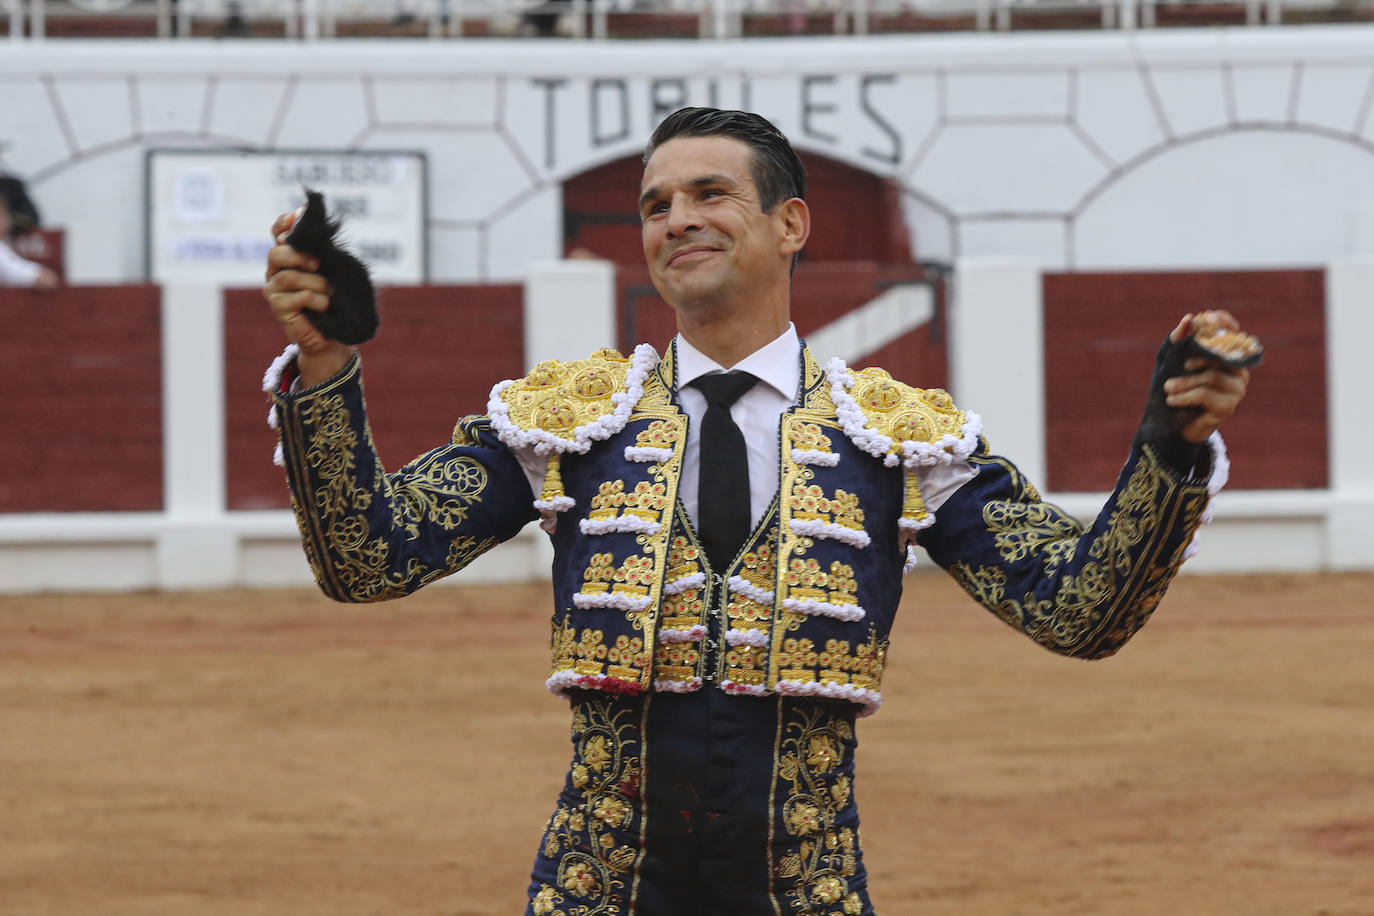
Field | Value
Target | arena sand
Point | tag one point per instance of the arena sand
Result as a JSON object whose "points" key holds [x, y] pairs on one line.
{"points": [[271, 752]]}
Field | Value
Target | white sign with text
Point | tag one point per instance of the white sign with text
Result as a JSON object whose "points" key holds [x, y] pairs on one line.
{"points": [[210, 212]]}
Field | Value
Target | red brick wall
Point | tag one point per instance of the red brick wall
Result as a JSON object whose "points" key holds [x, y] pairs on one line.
{"points": [[1101, 334], [434, 360], [81, 408]]}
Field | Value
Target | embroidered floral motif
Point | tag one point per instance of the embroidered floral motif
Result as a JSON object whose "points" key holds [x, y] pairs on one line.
{"points": [[1114, 592], [1022, 529], [814, 763], [594, 832], [433, 490]]}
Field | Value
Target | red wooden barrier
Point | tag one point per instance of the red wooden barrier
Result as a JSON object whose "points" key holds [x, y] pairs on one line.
{"points": [[1101, 333], [434, 360], [80, 400]]}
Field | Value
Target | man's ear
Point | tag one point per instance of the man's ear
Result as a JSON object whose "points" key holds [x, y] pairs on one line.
{"points": [[794, 220]]}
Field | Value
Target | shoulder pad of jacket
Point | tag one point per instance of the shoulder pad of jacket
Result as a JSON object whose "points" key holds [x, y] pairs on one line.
{"points": [[898, 422], [565, 406]]}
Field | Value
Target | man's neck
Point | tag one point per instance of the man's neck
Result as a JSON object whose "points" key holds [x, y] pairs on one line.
{"points": [[729, 338]]}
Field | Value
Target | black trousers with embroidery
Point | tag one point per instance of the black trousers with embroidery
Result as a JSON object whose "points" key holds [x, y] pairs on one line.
{"points": [[705, 804]]}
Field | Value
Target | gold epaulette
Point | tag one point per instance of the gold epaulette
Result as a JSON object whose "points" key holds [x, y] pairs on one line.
{"points": [[565, 407], [912, 416], [559, 398], [903, 425]]}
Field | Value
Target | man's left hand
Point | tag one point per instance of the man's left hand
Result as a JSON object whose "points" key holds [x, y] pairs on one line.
{"points": [[1212, 389]]}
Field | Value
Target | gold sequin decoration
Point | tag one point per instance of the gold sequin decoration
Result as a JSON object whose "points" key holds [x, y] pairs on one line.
{"points": [[559, 397], [902, 412]]}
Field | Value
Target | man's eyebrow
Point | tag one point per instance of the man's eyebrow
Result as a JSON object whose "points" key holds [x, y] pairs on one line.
{"points": [[702, 182]]}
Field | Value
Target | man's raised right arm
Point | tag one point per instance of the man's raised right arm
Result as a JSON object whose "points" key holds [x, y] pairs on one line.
{"points": [[369, 534]]}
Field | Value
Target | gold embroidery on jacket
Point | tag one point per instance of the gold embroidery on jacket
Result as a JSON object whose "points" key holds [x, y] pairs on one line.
{"points": [[430, 490], [808, 437], [676, 661], [838, 662], [805, 579], [587, 652], [658, 434], [810, 503], [559, 397], [647, 501], [902, 412], [595, 838], [1113, 593], [818, 795]]}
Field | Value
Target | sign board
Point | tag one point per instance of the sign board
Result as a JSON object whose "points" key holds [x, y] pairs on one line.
{"points": [[209, 212]]}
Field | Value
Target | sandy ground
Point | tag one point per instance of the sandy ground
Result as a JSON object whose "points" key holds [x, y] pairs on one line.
{"points": [[274, 753]]}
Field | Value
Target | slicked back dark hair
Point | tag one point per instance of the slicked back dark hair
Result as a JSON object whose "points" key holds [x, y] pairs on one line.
{"points": [[777, 172]]}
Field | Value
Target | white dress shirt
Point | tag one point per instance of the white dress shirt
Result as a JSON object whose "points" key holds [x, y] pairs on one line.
{"points": [[757, 413], [16, 270]]}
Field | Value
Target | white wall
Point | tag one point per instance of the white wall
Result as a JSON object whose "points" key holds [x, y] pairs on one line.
{"points": [[1165, 149], [196, 543], [1169, 148]]}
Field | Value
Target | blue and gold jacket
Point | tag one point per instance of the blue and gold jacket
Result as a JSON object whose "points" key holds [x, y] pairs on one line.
{"points": [[807, 606]]}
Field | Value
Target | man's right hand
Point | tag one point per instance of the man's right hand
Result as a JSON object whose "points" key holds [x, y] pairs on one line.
{"points": [[292, 287]]}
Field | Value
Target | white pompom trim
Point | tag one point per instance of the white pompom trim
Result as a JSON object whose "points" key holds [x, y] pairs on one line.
{"points": [[752, 690], [815, 528], [824, 608], [560, 682], [678, 586], [742, 586], [668, 635], [688, 686], [1221, 473], [911, 559], [912, 454], [632, 524], [557, 504], [915, 524], [618, 600], [603, 427], [647, 453], [815, 456], [271, 379], [757, 639], [869, 700]]}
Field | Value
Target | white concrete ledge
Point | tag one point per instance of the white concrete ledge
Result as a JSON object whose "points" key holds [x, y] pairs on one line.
{"points": [[1253, 531], [134, 551]]}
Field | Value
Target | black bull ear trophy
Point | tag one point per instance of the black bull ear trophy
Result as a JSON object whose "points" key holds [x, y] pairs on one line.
{"points": [[352, 314]]}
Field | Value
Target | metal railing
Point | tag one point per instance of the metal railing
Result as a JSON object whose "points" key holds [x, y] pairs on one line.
{"points": [[591, 19]]}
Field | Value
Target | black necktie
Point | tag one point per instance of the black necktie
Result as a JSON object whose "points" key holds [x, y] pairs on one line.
{"points": [[723, 493]]}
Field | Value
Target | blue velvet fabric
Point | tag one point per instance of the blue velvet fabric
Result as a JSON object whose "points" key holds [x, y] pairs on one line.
{"points": [[704, 804]]}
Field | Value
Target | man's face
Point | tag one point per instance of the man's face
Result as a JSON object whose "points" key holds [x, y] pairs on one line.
{"points": [[707, 241]]}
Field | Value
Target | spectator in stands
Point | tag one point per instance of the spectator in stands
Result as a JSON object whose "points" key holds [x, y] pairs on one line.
{"points": [[16, 270], [542, 21]]}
